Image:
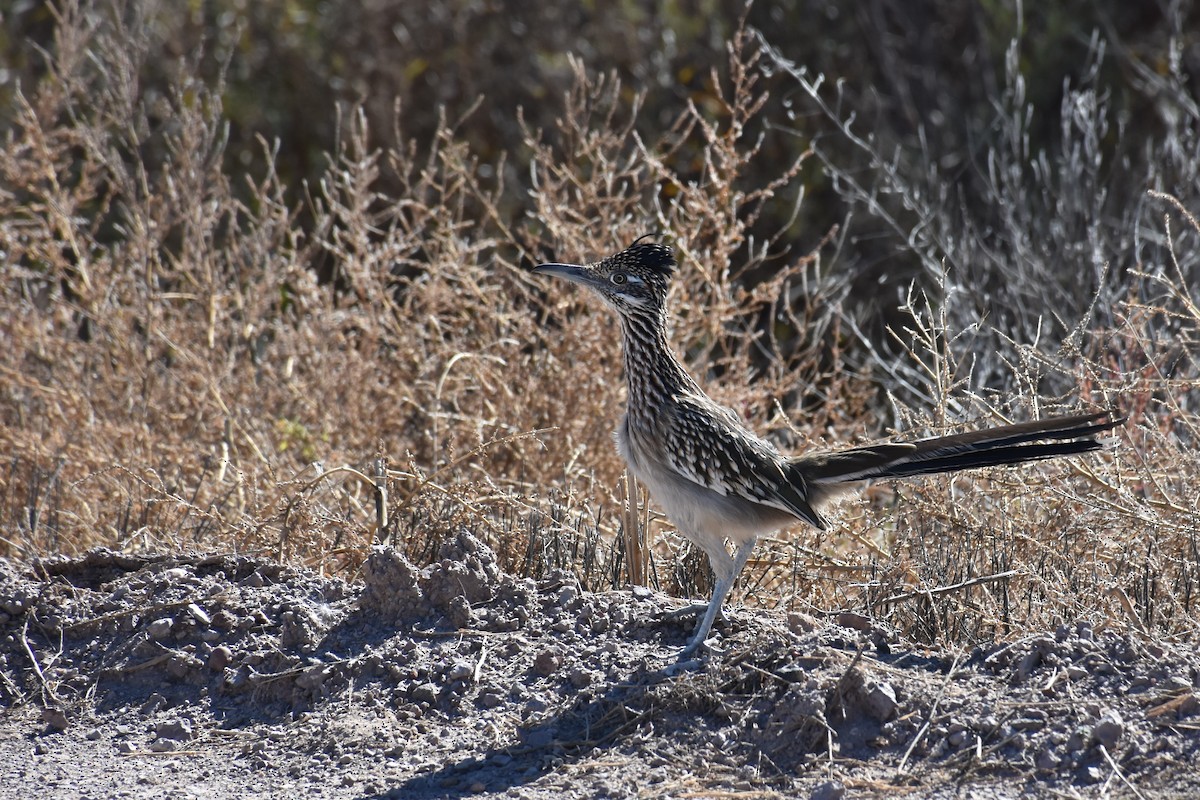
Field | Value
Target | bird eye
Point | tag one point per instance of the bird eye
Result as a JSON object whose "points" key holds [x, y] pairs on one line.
{"points": [[619, 278]]}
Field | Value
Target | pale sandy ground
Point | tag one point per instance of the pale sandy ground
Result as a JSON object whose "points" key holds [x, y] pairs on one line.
{"points": [[222, 676]]}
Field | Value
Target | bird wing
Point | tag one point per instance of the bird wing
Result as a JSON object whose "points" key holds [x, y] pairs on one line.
{"points": [[709, 445]]}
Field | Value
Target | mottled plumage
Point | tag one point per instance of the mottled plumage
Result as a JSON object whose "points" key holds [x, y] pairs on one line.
{"points": [[716, 480]]}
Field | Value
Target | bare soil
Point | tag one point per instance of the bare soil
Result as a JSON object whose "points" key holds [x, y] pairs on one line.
{"points": [[218, 676]]}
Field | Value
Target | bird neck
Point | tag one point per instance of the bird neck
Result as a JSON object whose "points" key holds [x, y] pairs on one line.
{"points": [[652, 372]]}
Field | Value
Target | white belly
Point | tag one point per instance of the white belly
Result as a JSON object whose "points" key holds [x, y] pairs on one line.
{"points": [[701, 514]]}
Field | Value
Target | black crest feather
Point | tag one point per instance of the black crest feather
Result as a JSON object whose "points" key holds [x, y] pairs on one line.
{"points": [[650, 255]]}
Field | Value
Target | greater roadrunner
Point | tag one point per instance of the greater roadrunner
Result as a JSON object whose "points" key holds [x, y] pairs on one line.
{"points": [[715, 479]]}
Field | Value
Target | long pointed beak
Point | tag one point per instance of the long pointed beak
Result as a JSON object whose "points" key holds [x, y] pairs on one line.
{"points": [[572, 272]]}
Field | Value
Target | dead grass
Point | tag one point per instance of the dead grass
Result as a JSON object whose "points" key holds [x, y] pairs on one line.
{"points": [[186, 367]]}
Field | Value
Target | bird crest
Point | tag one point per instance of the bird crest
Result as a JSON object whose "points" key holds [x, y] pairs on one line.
{"points": [[650, 256]]}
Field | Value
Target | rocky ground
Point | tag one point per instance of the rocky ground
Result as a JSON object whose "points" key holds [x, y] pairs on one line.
{"points": [[223, 676]]}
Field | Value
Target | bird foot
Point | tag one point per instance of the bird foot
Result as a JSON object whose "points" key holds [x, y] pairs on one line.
{"points": [[683, 665], [690, 610], [692, 653]]}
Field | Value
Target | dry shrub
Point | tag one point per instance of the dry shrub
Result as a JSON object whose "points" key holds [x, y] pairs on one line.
{"points": [[187, 369]]}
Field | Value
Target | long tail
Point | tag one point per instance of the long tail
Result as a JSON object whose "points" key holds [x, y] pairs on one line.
{"points": [[1009, 444]]}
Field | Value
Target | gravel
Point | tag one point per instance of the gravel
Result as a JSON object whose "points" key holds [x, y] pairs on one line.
{"points": [[208, 676]]}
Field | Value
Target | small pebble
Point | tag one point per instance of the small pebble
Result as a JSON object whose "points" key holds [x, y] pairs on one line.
{"points": [[153, 703], [567, 596], [55, 718], [547, 662], [425, 693], [460, 671], [1109, 729], [220, 658], [829, 790], [160, 628], [199, 614], [881, 701], [1046, 759], [178, 729]]}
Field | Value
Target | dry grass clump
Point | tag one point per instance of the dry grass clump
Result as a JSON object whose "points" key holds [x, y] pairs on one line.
{"points": [[186, 365], [190, 362]]}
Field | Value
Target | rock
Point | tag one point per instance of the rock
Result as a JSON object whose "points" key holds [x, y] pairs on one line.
{"points": [[13, 606], [55, 718], [225, 620], [801, 623], [567, 596], [313, 678], [199, 614], [458, 612], [1046, 759], [160, 628], [539, 737], [153, 703], [881, 701], [460, 671], [424, 693], [1109, 729], [546, 663], [829, 790], [176, 729], [220, 658]]}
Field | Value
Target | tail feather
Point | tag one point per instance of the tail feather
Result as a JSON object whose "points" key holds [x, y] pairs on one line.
{"points": [[1009, 444]]}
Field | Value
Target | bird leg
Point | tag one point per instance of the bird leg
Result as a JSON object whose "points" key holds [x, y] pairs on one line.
{"points": [[725, 579]]}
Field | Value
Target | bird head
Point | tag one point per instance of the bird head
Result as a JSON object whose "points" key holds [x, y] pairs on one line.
{"points": [[632, 281]]}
